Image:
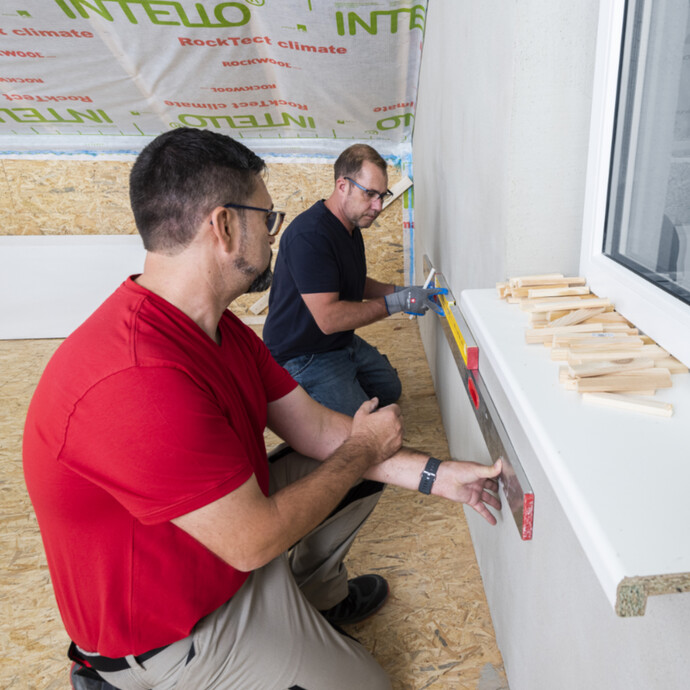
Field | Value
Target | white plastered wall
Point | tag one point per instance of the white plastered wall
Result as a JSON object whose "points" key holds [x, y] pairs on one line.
{"points": [[500, 155]]}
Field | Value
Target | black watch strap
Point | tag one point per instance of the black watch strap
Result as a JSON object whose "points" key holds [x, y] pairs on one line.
{"points": [[429, 475]]}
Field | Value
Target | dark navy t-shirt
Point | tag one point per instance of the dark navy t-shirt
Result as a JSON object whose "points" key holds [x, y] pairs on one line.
{"points": [[316, 254]]}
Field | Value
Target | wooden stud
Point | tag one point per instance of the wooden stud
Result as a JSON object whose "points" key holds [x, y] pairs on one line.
{"points": [[624, 402]]}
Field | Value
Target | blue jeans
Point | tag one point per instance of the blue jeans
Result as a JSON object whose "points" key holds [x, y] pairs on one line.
{"points": [[343, 379]]}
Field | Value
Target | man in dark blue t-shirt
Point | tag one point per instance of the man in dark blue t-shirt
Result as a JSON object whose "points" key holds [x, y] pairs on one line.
{"points": [[321, 292]]}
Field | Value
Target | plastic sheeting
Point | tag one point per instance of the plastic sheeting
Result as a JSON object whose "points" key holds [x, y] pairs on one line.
{"points": [[285, 76]]}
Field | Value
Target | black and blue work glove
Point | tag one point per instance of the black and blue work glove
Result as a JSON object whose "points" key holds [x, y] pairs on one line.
{"points": [[414, 300]]}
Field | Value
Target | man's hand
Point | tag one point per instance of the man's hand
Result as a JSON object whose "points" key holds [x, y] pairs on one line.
{"points": [[471, 483], [414, 300], [380, 430]]}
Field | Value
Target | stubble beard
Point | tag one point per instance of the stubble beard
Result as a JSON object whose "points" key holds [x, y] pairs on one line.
{"points": [[262, 281]]}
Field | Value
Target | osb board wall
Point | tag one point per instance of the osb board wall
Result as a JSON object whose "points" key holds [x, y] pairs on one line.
{"points": [[89, 198]]}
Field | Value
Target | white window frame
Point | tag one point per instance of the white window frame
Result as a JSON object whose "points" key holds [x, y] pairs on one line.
{"points": [[657, 313]]}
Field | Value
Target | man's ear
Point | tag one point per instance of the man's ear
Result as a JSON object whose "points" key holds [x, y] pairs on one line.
{"points": [[341, 185], [225, 227]]}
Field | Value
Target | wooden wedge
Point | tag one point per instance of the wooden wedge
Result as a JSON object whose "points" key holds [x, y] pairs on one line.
{"points": [[649, 379], [567, 304], [556, 292], [624, 402], [578, 316], [651, 351], [672, 364], [612, 366], [543, 279], [539, 335]]}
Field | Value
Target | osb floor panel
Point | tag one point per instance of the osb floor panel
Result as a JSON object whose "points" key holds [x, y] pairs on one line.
{"points": [[435, 630]]}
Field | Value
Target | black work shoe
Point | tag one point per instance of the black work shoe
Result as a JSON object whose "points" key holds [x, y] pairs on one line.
{"points": [[367, 594]]}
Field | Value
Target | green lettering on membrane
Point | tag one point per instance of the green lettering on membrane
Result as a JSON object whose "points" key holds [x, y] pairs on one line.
{"points": [[34, 115], [416, 20], [245, 121], [159, 15]]}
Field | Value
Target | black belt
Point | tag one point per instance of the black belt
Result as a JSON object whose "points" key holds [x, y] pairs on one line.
{"points": [[108, 664]]}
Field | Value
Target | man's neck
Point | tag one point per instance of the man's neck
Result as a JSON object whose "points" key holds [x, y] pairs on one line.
{"points": [[192, 292], [334, 207]]}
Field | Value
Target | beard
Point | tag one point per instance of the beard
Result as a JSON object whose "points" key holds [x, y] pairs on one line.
{"points": [[262, 281]]}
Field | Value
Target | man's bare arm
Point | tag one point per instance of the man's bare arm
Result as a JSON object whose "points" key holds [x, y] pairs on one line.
{"points": [[333, 315], [316, 431], [374, 288], [247, 529]]}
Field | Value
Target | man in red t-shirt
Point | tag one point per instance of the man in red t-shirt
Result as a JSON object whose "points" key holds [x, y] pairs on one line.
{"points": [[181, 556]]}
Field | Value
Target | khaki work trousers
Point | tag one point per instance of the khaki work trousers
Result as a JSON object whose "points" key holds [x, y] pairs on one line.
{"points": [[270, 635]]}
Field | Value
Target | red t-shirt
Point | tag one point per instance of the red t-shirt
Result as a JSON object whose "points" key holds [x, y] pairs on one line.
{"points": [[139, 418]]}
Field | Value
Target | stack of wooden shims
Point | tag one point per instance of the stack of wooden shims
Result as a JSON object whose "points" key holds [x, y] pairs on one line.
{"points": [[605, 357]]}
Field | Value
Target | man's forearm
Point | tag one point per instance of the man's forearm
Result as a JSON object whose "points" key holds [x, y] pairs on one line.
{"points": [[374, 288], [346, 316], [402, 469]]}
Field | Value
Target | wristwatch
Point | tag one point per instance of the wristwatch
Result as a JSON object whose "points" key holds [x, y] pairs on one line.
{"points": [[429, 475]]}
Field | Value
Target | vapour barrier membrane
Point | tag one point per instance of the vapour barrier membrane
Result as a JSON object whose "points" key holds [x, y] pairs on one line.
{"points": [[290, 77]]}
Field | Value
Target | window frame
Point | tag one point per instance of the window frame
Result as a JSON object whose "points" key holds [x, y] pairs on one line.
{"points": [[654, 311]]}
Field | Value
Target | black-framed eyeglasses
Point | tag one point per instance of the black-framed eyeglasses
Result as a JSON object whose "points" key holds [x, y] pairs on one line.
{"points": [[274, 219], [371, 193]]}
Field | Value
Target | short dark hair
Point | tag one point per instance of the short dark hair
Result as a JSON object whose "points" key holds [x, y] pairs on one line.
{"points": [[350, 161], [180, 177]]}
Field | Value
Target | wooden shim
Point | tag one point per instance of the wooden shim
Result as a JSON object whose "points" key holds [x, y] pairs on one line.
{"points": [[564, 305], [556, 292], [543, 279], [619, 328], [607, 316], [625, 402], [630, 381], [652, 351], [539, 335], [526, 303], [547, 280], [603, 337], [672, 364], [502, 289], [572, 351], [606, 341], [609, 367], [572, 318]]}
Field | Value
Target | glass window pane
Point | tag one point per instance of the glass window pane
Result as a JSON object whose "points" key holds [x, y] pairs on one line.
{"points": [[648, 215]]}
